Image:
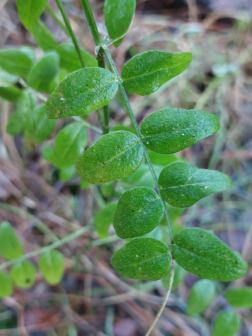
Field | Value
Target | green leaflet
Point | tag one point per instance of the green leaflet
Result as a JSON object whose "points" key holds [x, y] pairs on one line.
{"points": [[113, 156], [138, 212], [143, 259], [104, 219], [6, 286], [52, 265], [182, 184], [67, 174], [22, 119], [82, 92], [226, 323], [10, 246], [42, 125], [169, 131], [44, 72], [201, 253], [179, 274], [240, 297], [118, 17], [15, 62], [69, 145], [11, 93], [30, 10], [147, 72], [43, 36], [70, 60], [23, 274], [201, 295]]}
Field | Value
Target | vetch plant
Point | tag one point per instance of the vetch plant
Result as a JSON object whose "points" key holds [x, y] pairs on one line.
{"points": [[77, 85]]}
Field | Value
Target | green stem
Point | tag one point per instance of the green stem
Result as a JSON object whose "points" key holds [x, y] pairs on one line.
{"points": [[71, 33], [50, 10], [101, 64], [135, 124], [164, 302], [100, 57], [47, 248], [91, 21]]}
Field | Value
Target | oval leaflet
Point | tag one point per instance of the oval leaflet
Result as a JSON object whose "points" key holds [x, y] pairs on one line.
{"points": [[52, 265], [113, 156], [138, 212], [201, 253], [182, 184], [143, 259], [82, 92], [169, 131]]}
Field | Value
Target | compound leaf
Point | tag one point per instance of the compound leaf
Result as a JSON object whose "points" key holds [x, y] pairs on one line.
{"points": [[147, 72], [44, 72], [82, 92], [52, 265], [69, 145], [202, 253], [6, 286], [138, 212], [43, 37], [104, 219], [143, 259], [23, 274], [113, 156], [240, 297], [226, 323], [70, 60], [182, 184], [169, 131], [15, 62], [201, 295], [118, 17], [30, 10], [10, 246]]}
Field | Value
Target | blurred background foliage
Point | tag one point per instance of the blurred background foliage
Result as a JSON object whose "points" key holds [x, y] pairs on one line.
{"points": [[92, 299]]}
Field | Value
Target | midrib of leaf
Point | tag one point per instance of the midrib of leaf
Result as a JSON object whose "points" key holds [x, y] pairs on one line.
{"points": [[169, 132], [92, 90], [209, 260], [144, 261], [70, 146], [190, 184], [153, 72], [114, 157]]}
